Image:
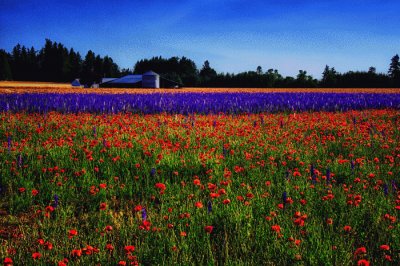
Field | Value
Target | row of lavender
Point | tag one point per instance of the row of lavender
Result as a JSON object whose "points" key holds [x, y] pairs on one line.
{"points": [[187, 103]]}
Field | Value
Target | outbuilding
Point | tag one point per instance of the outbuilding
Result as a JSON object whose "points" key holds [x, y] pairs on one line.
{"points": [[76, 83], [149, 79]]}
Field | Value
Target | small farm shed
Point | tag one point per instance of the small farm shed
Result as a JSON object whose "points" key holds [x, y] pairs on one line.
{"points": [[76, 83]]}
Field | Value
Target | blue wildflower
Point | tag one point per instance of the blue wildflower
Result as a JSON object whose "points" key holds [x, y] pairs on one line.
{"points": [[144, 214], [209, 206]]}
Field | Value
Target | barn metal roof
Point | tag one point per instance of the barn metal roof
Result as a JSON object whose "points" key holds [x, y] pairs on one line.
{"points": [[127, 79], [104, 80]]}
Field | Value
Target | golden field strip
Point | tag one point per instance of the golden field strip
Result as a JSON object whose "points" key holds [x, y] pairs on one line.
{"points": [[15, 87]]}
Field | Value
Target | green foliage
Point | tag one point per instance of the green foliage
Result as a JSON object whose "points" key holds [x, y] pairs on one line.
{"points": [[5, 69]]}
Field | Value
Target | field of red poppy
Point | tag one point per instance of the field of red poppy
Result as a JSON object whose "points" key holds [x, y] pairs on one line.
{"points": [[313, 188]]}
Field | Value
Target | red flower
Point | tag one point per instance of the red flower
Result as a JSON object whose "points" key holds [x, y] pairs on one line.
{"points": [[122, 263], [214, 195], [34, 192], [76, 253], [299, 222], [72, 233], [221, 191], [7, 261], [361, 250], [21, 189], [198, 205], [226, 201], [276, 228], [145, 225], [384, 247], [103, 206], [161, 186], [138, 208], [48, 245], [347, 228], [108, 228], [363, 263], [49, 208], [110, 247], [371, 175], [36, 255], [209, 228], [129, 249]]}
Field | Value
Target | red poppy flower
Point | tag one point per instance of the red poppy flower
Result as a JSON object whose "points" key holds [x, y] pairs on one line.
{"points": [[363, 263], [299, 222], [36, 255], [208, 228], [384, 247], [109, 247], [76, 253], [250, 195], [198, 205], [103, 206], [360, 250], [108, 228], [7, 261], [214, 195], [129, 249], [161, 186], [226, 201], [276, 228], [347, 228], [72, 233], [303, 202], [34, 192], [196, 182], [48, 245]]}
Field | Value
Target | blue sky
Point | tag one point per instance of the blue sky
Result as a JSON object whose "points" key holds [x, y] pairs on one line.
{"points": [[234, 35]]}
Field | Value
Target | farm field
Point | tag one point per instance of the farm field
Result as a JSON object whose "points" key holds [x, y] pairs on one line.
{"points": [[280, 178], [17, 87]]}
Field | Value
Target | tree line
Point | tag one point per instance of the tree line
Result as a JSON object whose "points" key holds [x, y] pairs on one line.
{"points": [[55, 63]]}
